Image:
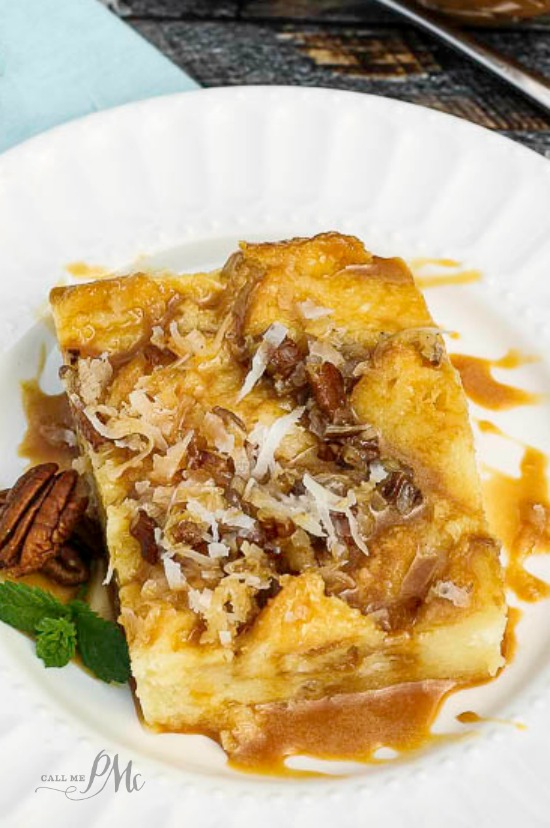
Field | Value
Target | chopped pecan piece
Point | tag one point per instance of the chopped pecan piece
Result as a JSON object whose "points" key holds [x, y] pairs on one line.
{"points": [[359, 451], [142, 528], [264, 595], [284, 359], [398, 490], [187, 532], [67, 568], [327, 385], [220, 469], [243, 280], [229, 417], [155, 356]]}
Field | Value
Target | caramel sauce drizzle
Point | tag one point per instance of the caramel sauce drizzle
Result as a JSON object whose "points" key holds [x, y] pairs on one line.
{"points": [[510, 642], [87, 272], [450, 275], [47, 415], [519, 513], [481, 387], [402, 718], [469, 717], [518, 509], [399, 717]]}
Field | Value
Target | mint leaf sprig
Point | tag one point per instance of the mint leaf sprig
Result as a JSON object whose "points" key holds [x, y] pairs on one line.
{"points": [[61, 630]]}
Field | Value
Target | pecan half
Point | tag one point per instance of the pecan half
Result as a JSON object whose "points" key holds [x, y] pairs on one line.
{"points": [[21, 505], [53, 522], [3, 497], [142, 528], [67, 568], [39, 516]]}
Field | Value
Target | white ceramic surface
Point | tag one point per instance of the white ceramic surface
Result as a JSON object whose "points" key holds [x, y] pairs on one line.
{"points": [[176, 182]]}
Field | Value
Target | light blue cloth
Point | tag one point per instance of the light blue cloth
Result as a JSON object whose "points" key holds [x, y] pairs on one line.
{"points": [[61, 59]]}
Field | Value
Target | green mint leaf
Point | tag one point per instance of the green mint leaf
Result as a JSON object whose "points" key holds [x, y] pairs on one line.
{"points": [[55, 641], [101, 644], [23, 607]]}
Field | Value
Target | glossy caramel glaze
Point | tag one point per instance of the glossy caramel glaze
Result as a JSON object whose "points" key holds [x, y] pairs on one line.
{"points": [[470, 717], [519, 513], [87, 272], [450, 273], [481, 387], [510, 643], [36, 579], [48, 419], [351, 727], [464, 277]]}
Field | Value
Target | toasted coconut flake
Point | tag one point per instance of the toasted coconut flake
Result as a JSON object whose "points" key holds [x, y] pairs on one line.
{"points": [[218, 550], [449, 591], [377, 472], [122, 426], [165, 466], [174, 575], [185, 345], [355, 532], [158, 337], [325, 502], [216, 433], [206, 516], [109, 574], [93, 377], [213, 518], [200, 600], [151, 411], [320, 351], [271, 439], [272, 338], [310, 310]]}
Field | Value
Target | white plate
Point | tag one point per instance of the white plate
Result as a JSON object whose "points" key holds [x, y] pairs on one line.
{"points": [[180, 180]]}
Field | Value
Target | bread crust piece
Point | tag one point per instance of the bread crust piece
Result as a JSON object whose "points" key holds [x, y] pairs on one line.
{"points": [[358, 557]]}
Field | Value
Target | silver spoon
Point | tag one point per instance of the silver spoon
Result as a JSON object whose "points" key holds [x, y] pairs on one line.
{"points": [[531, 84]]}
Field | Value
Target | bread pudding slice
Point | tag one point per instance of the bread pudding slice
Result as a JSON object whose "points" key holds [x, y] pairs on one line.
{"points": [[285, 471]]}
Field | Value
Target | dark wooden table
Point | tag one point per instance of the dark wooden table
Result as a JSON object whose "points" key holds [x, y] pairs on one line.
{"points": [[348, 45]]}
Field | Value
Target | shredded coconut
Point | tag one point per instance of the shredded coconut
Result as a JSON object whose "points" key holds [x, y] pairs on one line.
{"points": [[93, 376], [109, 574], [325, 352], [215, 432], [459, 596], [377, 472], [165, 466], [355, 533], [272, 338], [218, 550], [200, 600], [174, 575], [269, 441], [310, 310]]}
